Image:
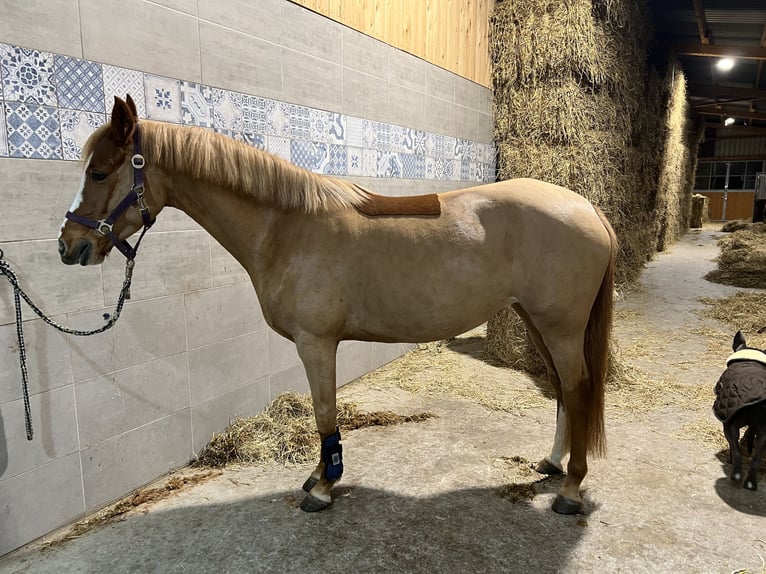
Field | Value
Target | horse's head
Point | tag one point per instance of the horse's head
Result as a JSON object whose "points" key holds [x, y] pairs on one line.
{"points": [[113, 201]]}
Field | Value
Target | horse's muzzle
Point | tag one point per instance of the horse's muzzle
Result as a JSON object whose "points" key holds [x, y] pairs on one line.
{"points": [[80, 254]]}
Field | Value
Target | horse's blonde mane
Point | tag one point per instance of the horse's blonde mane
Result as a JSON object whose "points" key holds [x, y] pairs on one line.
{"points": [[224, 162]]}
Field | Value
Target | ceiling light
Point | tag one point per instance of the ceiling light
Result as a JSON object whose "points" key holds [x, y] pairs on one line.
{"points": [[728, 121], [725, 64]]}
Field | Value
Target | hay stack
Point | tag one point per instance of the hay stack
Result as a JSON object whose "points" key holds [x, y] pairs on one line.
{"points": [[700, 211], [578, 104], [742, 261]]}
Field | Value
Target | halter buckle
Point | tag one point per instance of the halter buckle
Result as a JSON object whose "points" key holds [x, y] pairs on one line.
{"points": [[104, 227], [137, 161]]}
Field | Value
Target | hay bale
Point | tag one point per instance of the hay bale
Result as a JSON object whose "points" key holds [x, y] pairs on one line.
{"points": [[285, 432], [742, 260], [700, 211], [508, 340]]}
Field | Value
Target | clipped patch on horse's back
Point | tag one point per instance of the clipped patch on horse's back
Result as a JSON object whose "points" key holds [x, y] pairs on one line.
{"points": [[382, 205]]}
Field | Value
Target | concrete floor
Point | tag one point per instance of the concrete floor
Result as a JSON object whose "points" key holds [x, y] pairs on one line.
{"points": [[429, 497]]}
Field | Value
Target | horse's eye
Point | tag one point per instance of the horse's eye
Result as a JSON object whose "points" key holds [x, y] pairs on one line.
{"points": [[98, 175]]}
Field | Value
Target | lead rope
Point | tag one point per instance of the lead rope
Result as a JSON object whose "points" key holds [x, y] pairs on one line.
{"points": [[18, 294]]}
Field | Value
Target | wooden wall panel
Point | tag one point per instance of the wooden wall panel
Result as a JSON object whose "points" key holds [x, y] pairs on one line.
{"points": [[739, 204], [452, 34]]}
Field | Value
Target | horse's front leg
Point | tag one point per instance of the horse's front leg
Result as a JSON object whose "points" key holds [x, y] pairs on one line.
{"points": [[318, 357]]}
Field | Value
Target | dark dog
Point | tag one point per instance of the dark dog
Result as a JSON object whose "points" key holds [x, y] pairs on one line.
{"points": [[741, 401]]}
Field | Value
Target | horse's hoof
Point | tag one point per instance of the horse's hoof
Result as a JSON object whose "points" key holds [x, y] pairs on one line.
{"points": [[563, 505], [735, 477], [751, 485], [313, 504], [547, 467], [310, 483]]}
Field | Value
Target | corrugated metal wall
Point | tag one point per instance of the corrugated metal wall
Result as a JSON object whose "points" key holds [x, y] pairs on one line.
{"points": [[747, 147]]}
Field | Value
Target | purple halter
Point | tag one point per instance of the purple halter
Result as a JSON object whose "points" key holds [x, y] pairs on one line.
{"points": [[135, 196]]}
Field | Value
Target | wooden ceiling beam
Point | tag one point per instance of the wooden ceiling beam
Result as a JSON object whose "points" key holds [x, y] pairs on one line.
{"points": [[717, 51], [713, 110], [699, 13], [717, 91]]}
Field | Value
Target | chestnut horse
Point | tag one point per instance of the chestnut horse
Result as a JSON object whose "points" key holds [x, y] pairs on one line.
{"points": [[331, 261]]}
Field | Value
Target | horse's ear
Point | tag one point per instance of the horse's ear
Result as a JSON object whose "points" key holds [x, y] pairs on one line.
{"points": [[123, 121], [131, 105], [739, 341]]}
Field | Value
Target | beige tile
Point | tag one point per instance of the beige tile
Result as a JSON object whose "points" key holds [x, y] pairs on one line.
{"points": [[146, 331], [54, 287], [440, 116], [354, 359], [366, 54], [383, 353], [222, 367], [440, 83], [38, 24], [167, 263], [38, 501], [282, 353], [261, 19], [236, 61], [35, 195], [54, 425], [364, 96], [142, 40], [225, 269], [185, 6], [214, 315], [119, 465], [292, 379], [114, 404], [407, 71], [171, 219], [215, 415], [311, 33], [407, 108], [311, 81], [48, 362]]}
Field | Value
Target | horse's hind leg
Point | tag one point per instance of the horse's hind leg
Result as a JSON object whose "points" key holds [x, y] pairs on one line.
{"points": [[318, 357], [751, 480], [551, 464], [731, 431], [570, 367]]}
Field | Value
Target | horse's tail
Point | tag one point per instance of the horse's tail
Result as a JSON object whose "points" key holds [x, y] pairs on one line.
{"points": [[597, 346]]}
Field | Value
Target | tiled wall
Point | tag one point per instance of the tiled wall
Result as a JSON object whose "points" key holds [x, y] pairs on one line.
{"points": [[192, 349]]}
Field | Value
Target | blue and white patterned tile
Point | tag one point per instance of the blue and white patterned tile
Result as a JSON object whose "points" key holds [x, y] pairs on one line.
{"points": [[28, 75], [389, 165], [278, 146], [3, 135], [256, 114], [337, 160], [355, 131], [232, 134], [354, 161], [79, 84], [120, 82], [328, 127], [196, 105], [254, 140], [398, 140], [33, 131], [227, 109], [465, 170], [450, 147], [413, 166], [163, 98], [430, 167], [312, 156], [279, 119], [76, 127], [300, 122], [369, 162]]}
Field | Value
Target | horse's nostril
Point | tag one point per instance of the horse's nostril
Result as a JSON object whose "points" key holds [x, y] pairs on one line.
{"points": [[62, 247]]}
